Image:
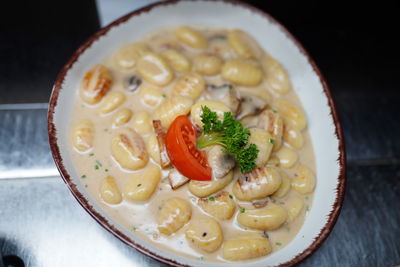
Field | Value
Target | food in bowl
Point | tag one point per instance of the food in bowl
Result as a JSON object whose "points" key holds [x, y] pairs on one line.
{"points": [[194, 140]]}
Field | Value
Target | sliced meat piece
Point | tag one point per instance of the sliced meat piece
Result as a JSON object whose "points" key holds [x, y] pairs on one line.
{"points": [[176, 179], [161, 133]]}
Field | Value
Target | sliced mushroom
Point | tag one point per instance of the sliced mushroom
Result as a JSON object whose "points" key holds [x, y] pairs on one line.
{"points": [[253, 101], [160, 133], [132, 83], [220, 162], [176, 179], [225, 93]]}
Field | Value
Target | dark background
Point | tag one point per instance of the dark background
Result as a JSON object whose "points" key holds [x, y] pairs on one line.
{"points": [[355, 46]]}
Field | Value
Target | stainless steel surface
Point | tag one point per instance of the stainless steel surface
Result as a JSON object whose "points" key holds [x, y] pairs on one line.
{"points": [[24, 149], [40, 221]]}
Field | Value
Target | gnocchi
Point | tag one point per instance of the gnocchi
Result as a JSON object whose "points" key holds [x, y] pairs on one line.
{"points": [[95, 84], [177, 60], [155, 69], [173, 215], [293, 113], [304, 180], [128, 149], [83, 135], [139, 162], [277, 78], [269, 218], [205, 233], [207, 64], [122, 117], [243, 45], [109, 191], [172, 108], [221, 206], [257, 184], [127, 56], [150, 95], [204, 188], [243, 248], [141, 186], [111, 102], [191, 37], [240, 72], [287, 157], [190, 85]]}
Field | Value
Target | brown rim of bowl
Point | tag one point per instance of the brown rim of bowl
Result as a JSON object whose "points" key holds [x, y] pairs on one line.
{"points": [[340, 189]]}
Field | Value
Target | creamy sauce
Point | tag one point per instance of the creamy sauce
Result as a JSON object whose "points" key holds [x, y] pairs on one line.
{"points": [[139, 217]]}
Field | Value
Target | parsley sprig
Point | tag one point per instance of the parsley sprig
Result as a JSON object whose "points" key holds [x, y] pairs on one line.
{"points": [[230, 134]]}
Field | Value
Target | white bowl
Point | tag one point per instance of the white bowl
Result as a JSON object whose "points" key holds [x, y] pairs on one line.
{"points": [[324, 126]]}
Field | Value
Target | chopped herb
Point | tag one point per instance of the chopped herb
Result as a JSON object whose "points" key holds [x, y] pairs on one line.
{"points": [[91, 154], [201, 258], [106, 170], [271, 141], [230, 196], [96, 167], [134, 229], [242, 210], [230, 134], [274, 111], [99, 163], [105, 129], [306, 197], [211, 198], [164, 95], [83, 176], [278, 243], [287, 228], [139, 185]]}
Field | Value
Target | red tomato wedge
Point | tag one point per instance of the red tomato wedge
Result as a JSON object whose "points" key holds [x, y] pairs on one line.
{"points": [[181, 148]]}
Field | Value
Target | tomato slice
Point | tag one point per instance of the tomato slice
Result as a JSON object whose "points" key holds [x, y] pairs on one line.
{"points": [[181, 148]]}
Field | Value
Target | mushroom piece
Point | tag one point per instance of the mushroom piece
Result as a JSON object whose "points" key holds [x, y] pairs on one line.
{"points": [[161, 133], [132, 83], [176, 179], [253, 101], [220, 162], [225, 93]]}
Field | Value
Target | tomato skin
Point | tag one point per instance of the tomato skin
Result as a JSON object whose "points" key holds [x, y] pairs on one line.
{"points": [[181, 148]]}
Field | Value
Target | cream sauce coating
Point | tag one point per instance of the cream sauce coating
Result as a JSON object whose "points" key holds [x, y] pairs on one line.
{"points": [[140, 217]]}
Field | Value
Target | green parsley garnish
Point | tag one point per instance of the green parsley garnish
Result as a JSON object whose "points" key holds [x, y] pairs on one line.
{"points": [[96, 167], [278, 243], [271, 141], [164, 95], [274, 111], [230, 134], [211, 198], [139, 185], [91, 154], [83, 176], [242, 210], [230, 196], [134, 228], [106, 170], [99, 163]]}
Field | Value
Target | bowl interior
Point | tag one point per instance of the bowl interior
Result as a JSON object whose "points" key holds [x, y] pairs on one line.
{"points": [[275, 40]]}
